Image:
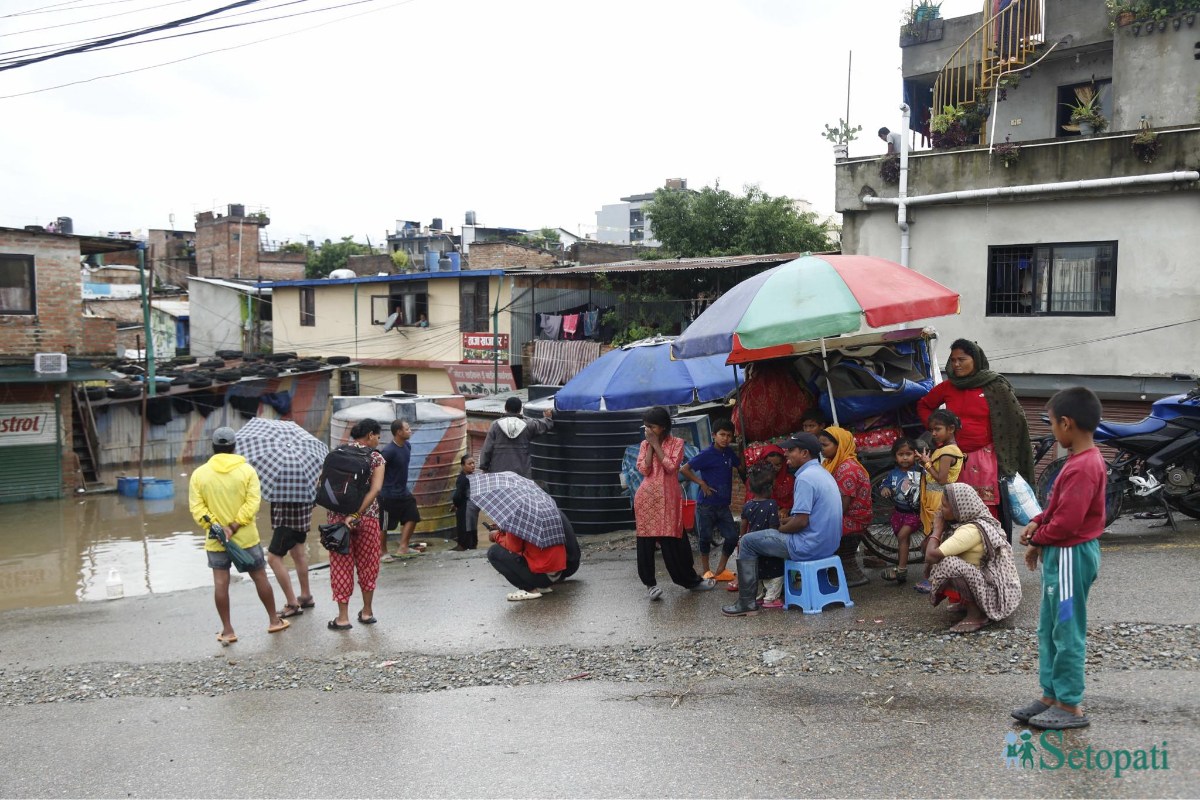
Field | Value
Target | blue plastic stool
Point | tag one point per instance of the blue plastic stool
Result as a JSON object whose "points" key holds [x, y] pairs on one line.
{"points": [[822, 582]]}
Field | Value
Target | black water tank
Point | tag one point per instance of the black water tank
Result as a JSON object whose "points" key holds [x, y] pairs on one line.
{"points": [[579, 464], [436, 224], [66, 225]]}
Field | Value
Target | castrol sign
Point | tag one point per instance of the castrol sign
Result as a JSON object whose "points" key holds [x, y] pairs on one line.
{"points": [[28, 423]]}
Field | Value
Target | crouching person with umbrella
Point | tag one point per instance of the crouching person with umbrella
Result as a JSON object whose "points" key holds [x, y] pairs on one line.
{"points": [[534, 544], [223, 497]]}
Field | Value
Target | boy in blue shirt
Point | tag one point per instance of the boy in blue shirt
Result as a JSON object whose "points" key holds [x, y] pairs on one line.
{"points": [[715, 465]]}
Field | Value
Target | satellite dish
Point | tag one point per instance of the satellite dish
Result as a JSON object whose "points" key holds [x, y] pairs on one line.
{"points": [[391, 321]]}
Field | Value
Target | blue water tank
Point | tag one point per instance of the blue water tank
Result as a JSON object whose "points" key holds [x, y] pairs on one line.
{"points": [[455, 261], [431, 260]]}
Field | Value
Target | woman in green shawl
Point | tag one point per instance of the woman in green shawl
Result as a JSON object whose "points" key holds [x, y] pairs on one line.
{"points": [[994, 435]]}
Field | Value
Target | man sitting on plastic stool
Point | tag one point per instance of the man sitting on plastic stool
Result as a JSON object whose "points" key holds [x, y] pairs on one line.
{"points": [[813, 530]]}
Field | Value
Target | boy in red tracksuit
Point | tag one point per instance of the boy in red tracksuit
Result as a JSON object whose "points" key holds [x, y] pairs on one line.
{"points": [[1066, 538]]}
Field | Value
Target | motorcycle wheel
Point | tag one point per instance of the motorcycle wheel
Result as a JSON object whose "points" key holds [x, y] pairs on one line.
{"points": [[879, 537], [1113, 500], [1188, 503]]}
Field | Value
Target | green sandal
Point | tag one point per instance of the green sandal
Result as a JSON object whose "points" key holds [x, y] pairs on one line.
{"points": [[895, 574]]}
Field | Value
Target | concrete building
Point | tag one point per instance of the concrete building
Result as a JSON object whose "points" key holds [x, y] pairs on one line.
{"points": [[1076, 261], [351, 317], [228, 315], [625, 222]]}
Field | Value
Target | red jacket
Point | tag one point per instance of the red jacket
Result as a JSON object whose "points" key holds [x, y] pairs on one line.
{"points": [[1076, 511], [551, 559], [969, 405]]}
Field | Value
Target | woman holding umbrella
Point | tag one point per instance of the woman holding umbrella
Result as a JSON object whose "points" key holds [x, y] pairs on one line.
{"points": [[994, 435]]}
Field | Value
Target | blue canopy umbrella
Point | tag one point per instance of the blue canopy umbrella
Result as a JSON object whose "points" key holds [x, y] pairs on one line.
{"points": [[642, 374]]}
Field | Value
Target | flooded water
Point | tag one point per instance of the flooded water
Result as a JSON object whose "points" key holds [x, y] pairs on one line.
{"points": [[54, 552]]}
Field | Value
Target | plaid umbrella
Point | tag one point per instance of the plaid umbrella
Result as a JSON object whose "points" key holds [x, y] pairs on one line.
{"points": [[288, 459], [519, 506]]}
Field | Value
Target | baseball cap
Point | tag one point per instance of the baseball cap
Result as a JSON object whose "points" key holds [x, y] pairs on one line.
{"points": [[804, 441], [224, 436]]}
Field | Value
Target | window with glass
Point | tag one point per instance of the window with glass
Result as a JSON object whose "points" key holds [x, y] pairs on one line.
{"points": [[308, 306], [407, 300], [1071, 279], [473, 313], [18, 292]]}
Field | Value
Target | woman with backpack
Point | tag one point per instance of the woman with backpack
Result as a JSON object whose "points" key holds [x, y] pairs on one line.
{"points": [[363, 557]]}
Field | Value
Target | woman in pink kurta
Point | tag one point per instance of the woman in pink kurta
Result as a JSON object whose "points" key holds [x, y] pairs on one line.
{"points": [[658, 508]]}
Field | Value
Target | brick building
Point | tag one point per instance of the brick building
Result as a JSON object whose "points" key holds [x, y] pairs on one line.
{"points": [[509, 255], [41, 312], [229, 246]]}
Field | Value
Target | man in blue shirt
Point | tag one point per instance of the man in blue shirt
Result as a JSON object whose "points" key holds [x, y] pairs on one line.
{"points": [[813, 531], [715, 465], [396, 502]]}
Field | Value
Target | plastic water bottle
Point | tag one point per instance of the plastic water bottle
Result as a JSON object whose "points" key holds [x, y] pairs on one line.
{"points": [[114, 586]]}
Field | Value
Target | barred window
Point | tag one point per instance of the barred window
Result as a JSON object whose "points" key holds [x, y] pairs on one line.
{"points": [[1068, 279]]}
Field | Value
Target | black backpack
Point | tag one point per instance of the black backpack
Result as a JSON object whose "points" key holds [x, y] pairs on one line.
{"points": [[345, 479]]}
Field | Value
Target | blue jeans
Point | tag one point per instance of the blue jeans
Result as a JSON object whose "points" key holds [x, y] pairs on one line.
{"points": [[714, 516], [768, 542]]}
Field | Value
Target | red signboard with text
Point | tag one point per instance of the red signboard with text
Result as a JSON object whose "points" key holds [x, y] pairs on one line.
{"points": [[483, 348], [481, 380]]}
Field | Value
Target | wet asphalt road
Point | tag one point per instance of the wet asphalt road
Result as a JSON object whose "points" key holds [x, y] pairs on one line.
{"points": [[590, 692]]}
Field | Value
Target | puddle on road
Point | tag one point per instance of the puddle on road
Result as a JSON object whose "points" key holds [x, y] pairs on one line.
{"points": [[55, 552]]}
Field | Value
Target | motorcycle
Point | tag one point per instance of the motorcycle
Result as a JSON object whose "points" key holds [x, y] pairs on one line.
{"points": [[1156, 458]]}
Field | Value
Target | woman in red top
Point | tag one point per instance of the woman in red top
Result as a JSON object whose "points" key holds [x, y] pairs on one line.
{"points": [[365, 544], [840, 457], [658, 508], [994, 435]]}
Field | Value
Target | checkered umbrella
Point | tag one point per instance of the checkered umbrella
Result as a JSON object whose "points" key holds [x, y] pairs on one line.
{"points": [[519, 506], [288, 459]]}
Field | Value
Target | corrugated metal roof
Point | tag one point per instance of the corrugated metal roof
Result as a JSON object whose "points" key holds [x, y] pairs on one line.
{"points": [[245, 288], [399, 277], [174, 308], [713, 262]]}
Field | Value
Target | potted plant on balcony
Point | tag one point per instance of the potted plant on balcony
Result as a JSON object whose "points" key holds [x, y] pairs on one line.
{"points": [[1145, 142], [1085, 112], [1008, 152], [841, 136], [948, 129], [1124, 12]]}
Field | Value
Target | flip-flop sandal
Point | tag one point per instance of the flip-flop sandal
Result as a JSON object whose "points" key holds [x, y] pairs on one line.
{"points": [[924, 587], [367, 620], [1028, 712], [388, 559], [282, 626], [1057, 719], [969, 627], [409, 554], [334, 626], [226, 640], [307, 602], [290, 611]]}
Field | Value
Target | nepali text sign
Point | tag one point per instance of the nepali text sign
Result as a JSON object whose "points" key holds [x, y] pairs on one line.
{"points": [[483, 348], [27, 423], [471, 380]]}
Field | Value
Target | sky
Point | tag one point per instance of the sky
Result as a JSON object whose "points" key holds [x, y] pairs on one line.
{"points": [[532, 113]]}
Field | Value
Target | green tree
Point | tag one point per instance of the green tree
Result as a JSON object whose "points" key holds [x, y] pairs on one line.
{"points": [[716, 222], [331, 255], [546, 238]]}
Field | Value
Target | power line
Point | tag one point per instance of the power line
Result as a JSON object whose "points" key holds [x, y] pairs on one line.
{"points": [[42, 9], [1065, 345], [93, 19], [83, 48], [205, 53]]}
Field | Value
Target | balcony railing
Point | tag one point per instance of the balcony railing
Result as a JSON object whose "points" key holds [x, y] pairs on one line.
{"points": [[1005, 40]]}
